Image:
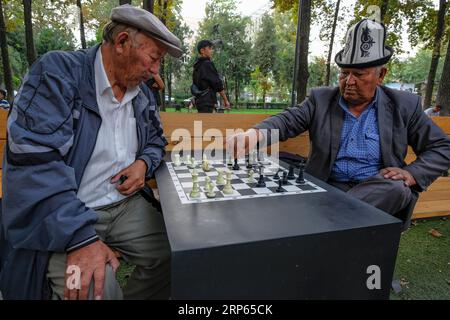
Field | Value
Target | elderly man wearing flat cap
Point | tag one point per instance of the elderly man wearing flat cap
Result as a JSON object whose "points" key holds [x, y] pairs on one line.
{"points": [[360, 131], [83, 137]]}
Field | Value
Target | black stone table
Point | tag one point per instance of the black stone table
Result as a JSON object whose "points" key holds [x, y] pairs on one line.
{"points": [[307, 246]]}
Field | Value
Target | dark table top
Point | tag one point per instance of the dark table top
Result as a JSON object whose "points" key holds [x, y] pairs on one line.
{"points": [[214, 224]]}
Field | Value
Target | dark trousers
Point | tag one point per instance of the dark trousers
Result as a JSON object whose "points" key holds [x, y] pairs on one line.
{"points": [[205, 109], [388, 195]]}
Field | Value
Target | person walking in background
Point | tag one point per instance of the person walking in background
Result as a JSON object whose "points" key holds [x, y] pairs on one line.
{"points": [[207, 79]]}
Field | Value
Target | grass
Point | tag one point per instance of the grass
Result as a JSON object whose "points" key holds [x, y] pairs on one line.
{"points": [[236, 111], [423, 263]]}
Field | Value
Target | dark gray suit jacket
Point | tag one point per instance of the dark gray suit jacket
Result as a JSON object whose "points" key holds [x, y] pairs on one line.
{"points": [[401, 123]]}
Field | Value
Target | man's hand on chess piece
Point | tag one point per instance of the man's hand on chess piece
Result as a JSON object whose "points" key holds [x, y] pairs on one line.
{"points": [[135, 178], [240, 144]]}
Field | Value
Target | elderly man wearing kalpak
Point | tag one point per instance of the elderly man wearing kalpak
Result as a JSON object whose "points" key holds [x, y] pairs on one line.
{"points": [[83, 137], [360, 131]]}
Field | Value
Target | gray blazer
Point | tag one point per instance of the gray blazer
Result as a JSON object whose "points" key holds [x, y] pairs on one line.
{"points": [[401, 123]]}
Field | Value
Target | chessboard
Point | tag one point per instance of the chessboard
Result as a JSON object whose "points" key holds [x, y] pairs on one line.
{"points": [[182, 178]]}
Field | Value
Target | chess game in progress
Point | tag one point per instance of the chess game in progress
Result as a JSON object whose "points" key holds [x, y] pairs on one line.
{"points": [[217, 180]]}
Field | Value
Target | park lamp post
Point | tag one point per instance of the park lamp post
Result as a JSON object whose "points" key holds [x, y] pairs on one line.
{"points": [[297, 50]]}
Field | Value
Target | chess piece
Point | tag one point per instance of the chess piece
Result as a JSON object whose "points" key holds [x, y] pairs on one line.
{"points": [[276, 176], [219, 180], [285, 180], [291, 174], [195, 192], [195, 172], [230, 161], [300, 179], [280, 186], [211, 193], [193, 164], [251, 179], [207, 182], [205, 164], [177, 161], [187, 160], [228, 189], [261, 182], [236, 165], [247, 160]]}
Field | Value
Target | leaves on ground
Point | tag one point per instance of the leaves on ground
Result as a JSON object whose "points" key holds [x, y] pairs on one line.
{"points": [[435, 233]]}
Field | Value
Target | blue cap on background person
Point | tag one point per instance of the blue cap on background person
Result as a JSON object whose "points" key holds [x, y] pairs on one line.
{"points": [[364, 46], [149, 24]]}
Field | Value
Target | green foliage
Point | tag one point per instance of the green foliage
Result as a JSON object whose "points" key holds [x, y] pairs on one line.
{"points": [[413, 70], [53, 39]]}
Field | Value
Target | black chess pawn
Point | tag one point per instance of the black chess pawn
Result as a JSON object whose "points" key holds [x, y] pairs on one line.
{"points": [[285, 180], [291, 175], [276, 176], [261, 183], [280, 186], [300, 179], [236, 165], [249, 165]]}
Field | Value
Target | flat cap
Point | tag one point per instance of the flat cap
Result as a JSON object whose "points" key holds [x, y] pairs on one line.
{"points": [[149, 24]]}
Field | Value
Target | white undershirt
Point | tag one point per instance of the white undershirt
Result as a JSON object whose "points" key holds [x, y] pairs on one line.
{"points": [[116, 145]]}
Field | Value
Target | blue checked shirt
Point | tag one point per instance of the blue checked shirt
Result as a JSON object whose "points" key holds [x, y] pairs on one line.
{"points": [[359, 155]]}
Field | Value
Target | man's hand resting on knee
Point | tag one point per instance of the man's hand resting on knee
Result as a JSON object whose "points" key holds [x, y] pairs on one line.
{"points": [[135, 178], [398, 174], [91, 260]]}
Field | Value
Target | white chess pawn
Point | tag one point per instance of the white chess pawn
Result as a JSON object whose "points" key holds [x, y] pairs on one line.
{"points": [[228, 189], [187, 160], [177, 161], [219, 180]]}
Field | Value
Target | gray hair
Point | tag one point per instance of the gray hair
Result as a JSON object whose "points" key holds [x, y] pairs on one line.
{"points": [[112, 29]]}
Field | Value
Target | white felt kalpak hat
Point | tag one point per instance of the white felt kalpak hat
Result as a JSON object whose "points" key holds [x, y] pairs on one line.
{"points": [[364, 46]]}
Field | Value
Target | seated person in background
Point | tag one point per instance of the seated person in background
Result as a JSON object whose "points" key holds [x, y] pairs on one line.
{"points": [[433, 111], [360, 131], [84, 135], [4, 104]]}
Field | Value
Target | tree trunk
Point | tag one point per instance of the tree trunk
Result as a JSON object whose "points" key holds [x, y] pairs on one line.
{"points": [[31, 53], [169, 83], [82, 35], [163, 4], [302, 72], [264, 98], [383, 10], [121, 2], [436, 54], [443, 95], [236, 91], [7, 74], [149, 5], [330, 49]]}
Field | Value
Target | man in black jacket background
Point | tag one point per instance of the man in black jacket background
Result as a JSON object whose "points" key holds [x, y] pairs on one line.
{"points": [[207, 79]]}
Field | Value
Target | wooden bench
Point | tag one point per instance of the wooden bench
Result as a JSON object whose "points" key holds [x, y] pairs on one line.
{"points": [[432, 203]]}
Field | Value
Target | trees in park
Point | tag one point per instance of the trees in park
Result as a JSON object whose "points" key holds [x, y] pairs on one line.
{"points": [[82, 34], [265, 52], [31, 52], [436, 52], [443, 95], [5, 56]]}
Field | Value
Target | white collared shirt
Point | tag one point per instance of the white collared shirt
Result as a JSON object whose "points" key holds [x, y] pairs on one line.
{"points": [[116, 145]]}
